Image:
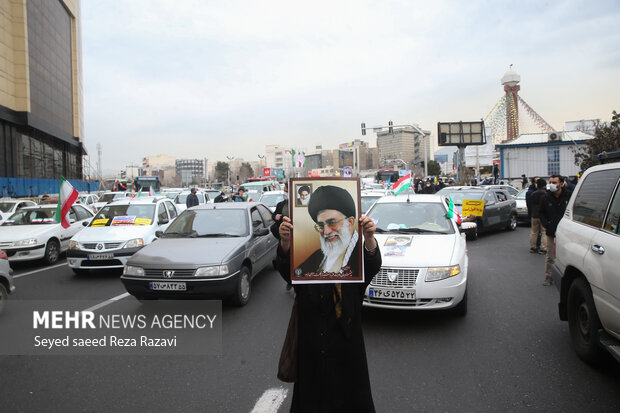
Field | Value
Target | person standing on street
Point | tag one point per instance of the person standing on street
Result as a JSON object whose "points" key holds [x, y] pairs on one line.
{"points": [[192, 199], [537, 230], [495, 174], [523, 181], [332, 369], [551, 211]]}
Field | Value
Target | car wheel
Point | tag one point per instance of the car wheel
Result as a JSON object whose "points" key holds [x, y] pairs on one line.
{"points": [[4, 295], [512, 224], [472, 234], [242, 294], [461, 308], [583, 321], [52, 252]]}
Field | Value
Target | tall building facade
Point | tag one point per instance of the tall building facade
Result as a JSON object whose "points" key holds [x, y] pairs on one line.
{"points": [[41, 99], [190, 170], [404, 144]]}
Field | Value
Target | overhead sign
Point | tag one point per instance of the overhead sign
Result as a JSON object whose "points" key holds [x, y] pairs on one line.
{"points": [[473, 207], [404, 172], [266, 171], [461, 133]]}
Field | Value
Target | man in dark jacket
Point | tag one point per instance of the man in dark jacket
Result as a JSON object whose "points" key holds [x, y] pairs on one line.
{"points": [[332, 367], [192, 199], [551, 212], [220, 198], [537, 232]]}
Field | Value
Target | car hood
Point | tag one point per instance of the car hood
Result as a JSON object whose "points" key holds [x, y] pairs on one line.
{"points": [[521, 203], [425, 250], [112, 234], [187, 252], [19, 232]]}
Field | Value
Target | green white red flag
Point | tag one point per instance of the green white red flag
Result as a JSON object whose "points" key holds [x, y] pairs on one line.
{"points": [[151, 192], [402, 184], [452, 213], [66, 197]]}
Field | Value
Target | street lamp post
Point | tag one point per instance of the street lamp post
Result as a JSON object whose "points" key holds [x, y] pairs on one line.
{"points": [[230, 158]]}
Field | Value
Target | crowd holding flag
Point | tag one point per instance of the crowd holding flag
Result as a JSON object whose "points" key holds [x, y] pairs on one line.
{"points": [[66, 197]]}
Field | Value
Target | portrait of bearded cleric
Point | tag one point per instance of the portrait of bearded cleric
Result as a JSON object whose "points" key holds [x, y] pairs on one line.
{"points": [[326, 242]]}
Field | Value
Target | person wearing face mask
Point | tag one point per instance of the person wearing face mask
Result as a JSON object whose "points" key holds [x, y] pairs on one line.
{"points": [[551, 212]]}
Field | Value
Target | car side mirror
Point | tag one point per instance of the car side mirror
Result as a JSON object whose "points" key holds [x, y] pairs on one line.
{"points": [[71, 220], [260, 232], [158, 234], [163, 221], [85, 223]]}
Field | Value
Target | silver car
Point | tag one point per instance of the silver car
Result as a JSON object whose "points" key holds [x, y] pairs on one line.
{"points": [[6, 280], [210, 251]]}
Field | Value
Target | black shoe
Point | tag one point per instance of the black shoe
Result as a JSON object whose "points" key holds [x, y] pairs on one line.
{"points": [[533, 250], [542, 252]]}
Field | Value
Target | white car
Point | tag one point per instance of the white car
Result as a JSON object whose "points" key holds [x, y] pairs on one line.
{"points": [[587, 246], [109, 197], [180, 200], [212, 193], [118, 230], [87, 200], [32, 233], [271, 199], [424, 256], [369, 197], [8, 206]]}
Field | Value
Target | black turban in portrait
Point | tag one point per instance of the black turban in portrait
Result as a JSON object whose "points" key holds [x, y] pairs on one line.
{"points": [[331, 197]]}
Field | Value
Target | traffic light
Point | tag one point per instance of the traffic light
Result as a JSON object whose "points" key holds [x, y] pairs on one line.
{"points": [[391, 129], [363, 129]]}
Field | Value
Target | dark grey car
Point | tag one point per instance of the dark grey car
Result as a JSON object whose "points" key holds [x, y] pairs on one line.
{"points": [[500, 209], [210, 251]]}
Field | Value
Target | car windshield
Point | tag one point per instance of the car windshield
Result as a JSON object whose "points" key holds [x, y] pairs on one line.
{"points": [[271, 200], [171, 195], [521, 195], [111, 197], [209, 223], [458, 196], [367, 202], [6, 206], [411, 217], [113, 215], [32, 217]]}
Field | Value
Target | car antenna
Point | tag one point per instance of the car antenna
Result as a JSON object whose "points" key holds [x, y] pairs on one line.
{"points": [[408, 200]]}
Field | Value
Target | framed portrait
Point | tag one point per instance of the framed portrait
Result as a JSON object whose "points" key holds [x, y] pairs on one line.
{"points": [[326, 246], [303, 192]]}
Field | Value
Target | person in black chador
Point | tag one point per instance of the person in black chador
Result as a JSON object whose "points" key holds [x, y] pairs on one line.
{"points": [[332, 368]]}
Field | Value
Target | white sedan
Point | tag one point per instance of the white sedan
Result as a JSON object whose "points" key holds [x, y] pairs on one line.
{"points": [[8, 206], [424, 256], [32, 233]]}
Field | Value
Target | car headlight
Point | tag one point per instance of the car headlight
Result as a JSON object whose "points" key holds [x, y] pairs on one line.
{"points": [[212, 271], [441, 273], [25, 242], [133, 243], [74, 245], [131, 270]]}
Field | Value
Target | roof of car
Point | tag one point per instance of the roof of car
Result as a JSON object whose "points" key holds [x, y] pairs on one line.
{"points": [[228, 205], [412, 198], [138, 200], [43, 206]]}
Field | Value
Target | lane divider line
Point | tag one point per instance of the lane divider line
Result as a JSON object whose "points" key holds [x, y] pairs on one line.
{"points": [[270, 401], [39, 270], [107, 302]]}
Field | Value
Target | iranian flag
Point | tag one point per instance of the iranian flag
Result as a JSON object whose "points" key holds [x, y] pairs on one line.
{"points": [[452, 213], [402, 184], [66, 197], [151, 192], [138, 194]]}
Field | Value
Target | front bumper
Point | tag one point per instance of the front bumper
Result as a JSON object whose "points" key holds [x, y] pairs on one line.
{"points": [[35, 252], [81, 259], [435, 295], [204, 288]]}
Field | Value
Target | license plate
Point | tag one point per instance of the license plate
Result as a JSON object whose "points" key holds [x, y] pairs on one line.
{"points": [[165, 286], [392, 294], [101, 257]]}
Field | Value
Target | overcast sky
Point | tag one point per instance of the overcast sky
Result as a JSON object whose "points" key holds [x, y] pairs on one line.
{"points": [[202, 78]]}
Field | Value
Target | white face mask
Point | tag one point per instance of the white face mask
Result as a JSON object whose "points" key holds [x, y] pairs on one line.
{"points": [[552, 187]]}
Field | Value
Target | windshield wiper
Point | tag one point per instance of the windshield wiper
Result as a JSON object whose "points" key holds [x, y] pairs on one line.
{"points": [[216, 235], [179, 234], [418, 231], [379, 230]]}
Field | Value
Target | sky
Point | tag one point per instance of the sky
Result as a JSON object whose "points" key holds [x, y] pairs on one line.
{"points": [[211, 79]]}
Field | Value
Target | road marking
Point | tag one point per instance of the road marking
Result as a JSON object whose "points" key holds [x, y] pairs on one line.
{"points": [[270, 401], [39, 270], [107, 302]]}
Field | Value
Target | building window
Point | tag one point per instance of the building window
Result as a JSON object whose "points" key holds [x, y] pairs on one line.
{"points": [[553, 160]]}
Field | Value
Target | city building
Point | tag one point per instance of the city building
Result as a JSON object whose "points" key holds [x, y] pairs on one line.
{"points": [[364, 157], [541, 154], [41, 98], [403, 144], [276, 156], [190, 170], [157, 162]]}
